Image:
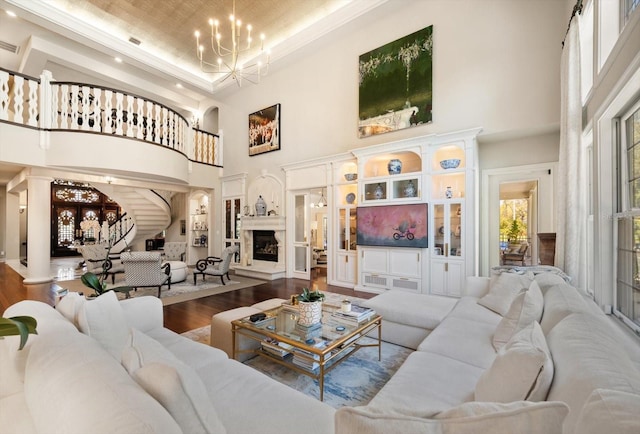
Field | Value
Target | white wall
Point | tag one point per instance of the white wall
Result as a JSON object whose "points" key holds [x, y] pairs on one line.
{"points": [[496, 65]]}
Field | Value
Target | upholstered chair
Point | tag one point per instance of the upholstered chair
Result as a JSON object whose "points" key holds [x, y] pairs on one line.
{"points": [[215, 266], [175, 250], [95, 259], [145, 269]]}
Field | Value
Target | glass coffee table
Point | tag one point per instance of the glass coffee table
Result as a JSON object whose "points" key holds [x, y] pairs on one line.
{"points": [[313, 351]]}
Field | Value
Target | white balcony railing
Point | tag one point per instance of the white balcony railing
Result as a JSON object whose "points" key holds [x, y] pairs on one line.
{"points": [[49, 105]]}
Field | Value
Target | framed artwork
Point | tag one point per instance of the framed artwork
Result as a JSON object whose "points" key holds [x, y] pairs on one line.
{"points": [[396, 88], [183, 227], [264, 130], [392, 225]]}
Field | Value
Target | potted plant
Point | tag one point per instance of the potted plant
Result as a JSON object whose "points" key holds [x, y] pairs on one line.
{"points": [[97, 283], [18, 326], [310, 307]]}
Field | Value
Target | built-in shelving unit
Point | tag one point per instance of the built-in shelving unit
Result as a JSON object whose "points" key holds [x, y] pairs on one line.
{"points": [[439, 170]]}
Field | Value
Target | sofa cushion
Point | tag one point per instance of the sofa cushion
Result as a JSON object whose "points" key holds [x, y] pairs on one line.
{"points": [[610, 411], [588, 355], [426, 384], [179, 389], [469, 309], [418, 310], [104, 320], [464, 340], [468, 418], [72, 385], [70, 306], [547, 280], [523, 369], [172, 388], [247, 401], [526, 308], [559, 301], [503, 288]]}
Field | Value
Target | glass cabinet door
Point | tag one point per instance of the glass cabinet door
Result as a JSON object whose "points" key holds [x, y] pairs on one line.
{"points": [[448, 228], [347, 229]]}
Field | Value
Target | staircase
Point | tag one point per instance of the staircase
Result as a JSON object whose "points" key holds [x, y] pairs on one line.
{"points": [[148, 211]]}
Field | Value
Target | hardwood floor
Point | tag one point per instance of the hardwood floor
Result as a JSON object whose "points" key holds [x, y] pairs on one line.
{"points": [[188, 315]]}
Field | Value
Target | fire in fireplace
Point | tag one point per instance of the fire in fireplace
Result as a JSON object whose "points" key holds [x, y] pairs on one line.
{"points": [[265, 246]]}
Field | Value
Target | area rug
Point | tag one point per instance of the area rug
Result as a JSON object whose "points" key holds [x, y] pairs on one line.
{"points": [[354, 382], [179, 292]]}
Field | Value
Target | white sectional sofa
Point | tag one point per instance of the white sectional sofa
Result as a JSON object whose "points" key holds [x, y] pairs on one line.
{"points": [[128, 374], [561, 368], [560, 365]]}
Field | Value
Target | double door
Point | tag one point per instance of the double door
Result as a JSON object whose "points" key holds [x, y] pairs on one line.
{"points": [[65, 225]]}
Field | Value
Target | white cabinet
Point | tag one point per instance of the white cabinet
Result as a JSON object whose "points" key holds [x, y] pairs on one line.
{"points": [[383, 268], [447, 277]]}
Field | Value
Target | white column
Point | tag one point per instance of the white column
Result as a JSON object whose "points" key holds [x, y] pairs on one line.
{"points": [[38, 229]]}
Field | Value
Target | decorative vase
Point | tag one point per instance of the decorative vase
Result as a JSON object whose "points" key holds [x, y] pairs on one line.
{"points": [[394, 166], [410, 190], [261, 207], [378, 193], [448, 193], [310, 313]]}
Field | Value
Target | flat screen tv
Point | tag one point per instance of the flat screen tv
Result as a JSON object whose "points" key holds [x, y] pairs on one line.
{"points": [[393, 225]]}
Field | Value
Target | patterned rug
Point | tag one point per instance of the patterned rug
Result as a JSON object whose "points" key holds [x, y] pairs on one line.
{"points": [[353, 383], [179, 292]]}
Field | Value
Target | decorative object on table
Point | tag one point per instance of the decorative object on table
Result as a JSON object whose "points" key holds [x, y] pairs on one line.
{"points": [[394, 166], [350, 176], [395, 90], [261, 207], [378, 193], [345, 306], [264, 130], [393, 225], [448, 193], [203, 240], [247, 210], [451, 163], [310, 307], [350, 198], [410, 189], [18, 326]]}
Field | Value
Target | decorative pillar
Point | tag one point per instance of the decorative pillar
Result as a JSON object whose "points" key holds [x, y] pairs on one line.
{"points": [[38, 229]]}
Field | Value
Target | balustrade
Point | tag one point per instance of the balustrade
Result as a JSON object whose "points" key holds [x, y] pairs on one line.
{"points": [[50, 105]]}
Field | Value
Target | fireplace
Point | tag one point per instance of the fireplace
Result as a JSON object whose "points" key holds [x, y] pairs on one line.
{"points": [[265, 246]]}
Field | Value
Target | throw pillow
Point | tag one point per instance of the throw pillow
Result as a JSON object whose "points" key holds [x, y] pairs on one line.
{"points": [[172, 383], [522, 370], [525, 308], [70, 305], [103, 319], [468, 418], [611, 411], [503, 288]]}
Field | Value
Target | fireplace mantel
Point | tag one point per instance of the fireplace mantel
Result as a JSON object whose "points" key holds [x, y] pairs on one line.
{"points": [[266, 223], [255, 268]]}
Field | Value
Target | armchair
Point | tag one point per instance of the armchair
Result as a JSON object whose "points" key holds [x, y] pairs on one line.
{"points": [[515, 254], [175, 250], [145, 269], [215, 266], [94, 256]]}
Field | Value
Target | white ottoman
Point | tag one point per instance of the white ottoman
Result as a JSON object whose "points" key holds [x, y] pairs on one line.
{"points": [[178, 271], [221, 336]]}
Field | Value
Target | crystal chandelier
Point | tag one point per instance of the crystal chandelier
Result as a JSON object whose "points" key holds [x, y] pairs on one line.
{"points": [[226, 53]]}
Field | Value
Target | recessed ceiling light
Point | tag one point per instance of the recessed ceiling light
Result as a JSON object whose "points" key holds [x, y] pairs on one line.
{"points": [[178, 85], [117, 59], [11, 14]]}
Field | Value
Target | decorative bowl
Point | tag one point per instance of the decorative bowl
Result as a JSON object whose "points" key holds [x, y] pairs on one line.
{"points": [[350, 176], [451, 163]]}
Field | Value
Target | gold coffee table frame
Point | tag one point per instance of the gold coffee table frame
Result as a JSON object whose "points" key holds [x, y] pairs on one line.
{"points": [[340, 344]]}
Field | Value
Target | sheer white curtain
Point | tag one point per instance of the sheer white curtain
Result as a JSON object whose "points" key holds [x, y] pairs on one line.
{"points": [[572, 178]]}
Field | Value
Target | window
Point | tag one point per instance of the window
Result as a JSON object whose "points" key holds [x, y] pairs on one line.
{"points": [[628, 6], [627, 226]]}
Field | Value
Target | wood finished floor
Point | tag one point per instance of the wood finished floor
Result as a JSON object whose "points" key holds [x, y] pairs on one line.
{"points": [[188, 315]]}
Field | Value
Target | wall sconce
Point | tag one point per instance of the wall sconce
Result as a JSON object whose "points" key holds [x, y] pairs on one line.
{"points": [[22, 208], [109, 179]]}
